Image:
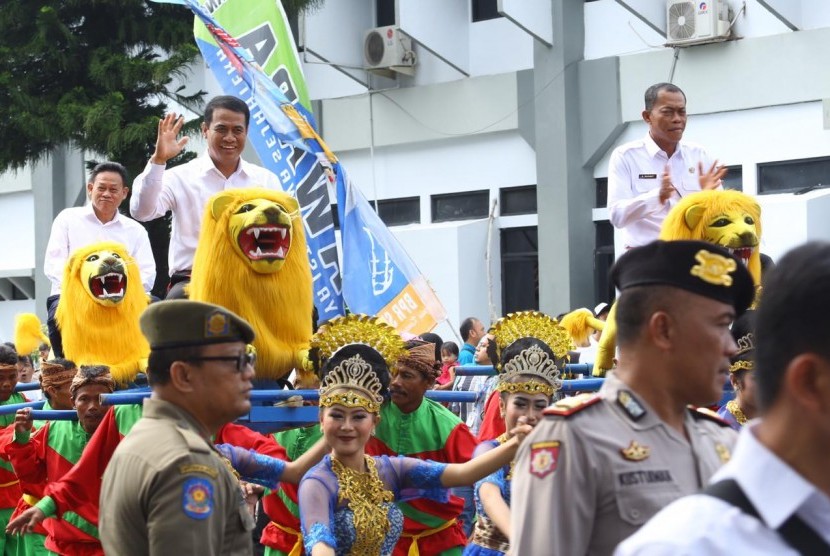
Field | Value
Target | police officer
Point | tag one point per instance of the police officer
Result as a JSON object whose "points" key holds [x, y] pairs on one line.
{"points": [[599, 466], [166, 490]]}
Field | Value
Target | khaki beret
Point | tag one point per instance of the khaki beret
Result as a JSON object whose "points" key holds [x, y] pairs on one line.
{"points": [[183, 323]]}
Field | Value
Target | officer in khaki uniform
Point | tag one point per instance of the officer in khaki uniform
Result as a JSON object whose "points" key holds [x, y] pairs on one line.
{"points": [[166, 489], [599, 466]]}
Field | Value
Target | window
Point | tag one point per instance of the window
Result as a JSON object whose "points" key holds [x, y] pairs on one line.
{"points": [[603, 259], [384, 12], [485, 9], [518, 200], [794, 176], [398, 212], [519, 269], [734, 178], [602, 192], [460, 206]]}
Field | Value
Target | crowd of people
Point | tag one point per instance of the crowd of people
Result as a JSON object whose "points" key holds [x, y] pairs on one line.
{"points": [[650, 464]]}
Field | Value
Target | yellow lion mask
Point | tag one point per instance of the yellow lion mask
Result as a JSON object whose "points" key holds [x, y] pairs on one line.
{"points": [[101, 301], [727, 218], [252, 259]]}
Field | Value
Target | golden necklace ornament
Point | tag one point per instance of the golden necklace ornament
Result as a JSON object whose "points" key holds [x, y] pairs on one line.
{"points": [[735, 409], [364, 494], [504, 437]]}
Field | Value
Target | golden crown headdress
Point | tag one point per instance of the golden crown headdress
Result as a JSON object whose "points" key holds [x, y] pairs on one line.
{"points": [[362, 386], [532, 361], [741, 359]]}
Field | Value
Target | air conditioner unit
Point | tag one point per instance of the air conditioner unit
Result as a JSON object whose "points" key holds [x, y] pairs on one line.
{"points": [[691, 22], [387, 50]]}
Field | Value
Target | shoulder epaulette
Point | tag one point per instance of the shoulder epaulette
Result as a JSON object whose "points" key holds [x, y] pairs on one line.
{"points": [[707, 414], [568, 406]]}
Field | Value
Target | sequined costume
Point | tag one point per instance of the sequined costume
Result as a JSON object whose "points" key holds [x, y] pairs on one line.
{"points": [[487, 539], [431, 432], [354, 512]]}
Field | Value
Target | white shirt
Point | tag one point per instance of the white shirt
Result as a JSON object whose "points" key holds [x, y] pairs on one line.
{"points": [[185, 190], [702, 524], [78, 227], [635, 172]]}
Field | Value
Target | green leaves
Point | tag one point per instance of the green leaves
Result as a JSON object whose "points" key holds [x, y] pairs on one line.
{"points": [[97, 73]]}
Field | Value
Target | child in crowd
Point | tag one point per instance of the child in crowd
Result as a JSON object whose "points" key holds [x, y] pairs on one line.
{"points": [[449, 361]]}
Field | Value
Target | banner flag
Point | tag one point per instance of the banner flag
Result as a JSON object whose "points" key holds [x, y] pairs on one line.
{"points": [[248, 46], [379, 278]]}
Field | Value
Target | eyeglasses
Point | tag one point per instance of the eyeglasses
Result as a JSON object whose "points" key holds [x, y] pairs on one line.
{"points": [[241, 360]]}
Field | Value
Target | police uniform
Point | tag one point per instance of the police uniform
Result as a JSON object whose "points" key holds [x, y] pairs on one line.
{"points": [[166, 489], [598, 466]]}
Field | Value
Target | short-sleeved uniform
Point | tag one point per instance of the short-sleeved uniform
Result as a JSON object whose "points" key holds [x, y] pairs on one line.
{"points": [[596, 468], [167, 491]]}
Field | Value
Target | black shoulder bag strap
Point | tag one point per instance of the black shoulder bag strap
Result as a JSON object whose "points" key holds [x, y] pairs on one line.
{"points": [[794, 531]]}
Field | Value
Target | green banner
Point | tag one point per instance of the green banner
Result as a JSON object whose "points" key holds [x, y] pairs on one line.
{"points": [[262, 27]]}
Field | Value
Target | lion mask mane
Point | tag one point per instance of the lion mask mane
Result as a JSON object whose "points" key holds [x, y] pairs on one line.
{"points": [[252, 259], [101, 301]]}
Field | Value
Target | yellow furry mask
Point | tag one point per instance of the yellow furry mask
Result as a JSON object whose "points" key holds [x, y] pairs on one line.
{"points": [[252, 259], [727, 218], [261, 230], [101, 300]]}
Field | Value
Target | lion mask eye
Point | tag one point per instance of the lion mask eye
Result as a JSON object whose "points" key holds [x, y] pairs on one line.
{"points": [[92, 258], [720, 223], [115, 255], [247, 207], [749, 220]]}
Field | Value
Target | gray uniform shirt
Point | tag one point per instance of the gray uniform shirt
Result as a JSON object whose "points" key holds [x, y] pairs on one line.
{"points": [[167, 491], [584, 482]]}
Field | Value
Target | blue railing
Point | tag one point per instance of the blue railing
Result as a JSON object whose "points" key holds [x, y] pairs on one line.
{"points": [[265, 416]]}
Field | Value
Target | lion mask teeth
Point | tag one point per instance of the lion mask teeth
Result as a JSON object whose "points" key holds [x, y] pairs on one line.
{"points": [[109, 286], [265, 242]]}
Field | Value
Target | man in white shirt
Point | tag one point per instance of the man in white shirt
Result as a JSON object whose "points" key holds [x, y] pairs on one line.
{"points": [[773, 497], [648, 176], [185, 189], [99, 220]]}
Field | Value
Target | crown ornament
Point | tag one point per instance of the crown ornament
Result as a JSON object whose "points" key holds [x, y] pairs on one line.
{"points": [[532, 363], [353, 382], [745, 343]]}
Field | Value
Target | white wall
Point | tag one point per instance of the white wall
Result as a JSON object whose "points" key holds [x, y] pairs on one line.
{"points": [[17, 231], [461, 164]]}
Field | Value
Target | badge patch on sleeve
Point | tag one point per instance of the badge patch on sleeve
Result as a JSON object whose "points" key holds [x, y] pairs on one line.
{"points": [[197, 498], [543, 458]]}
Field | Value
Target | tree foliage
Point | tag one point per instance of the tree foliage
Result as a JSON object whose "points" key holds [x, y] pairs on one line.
{"points": [[95, 73]]}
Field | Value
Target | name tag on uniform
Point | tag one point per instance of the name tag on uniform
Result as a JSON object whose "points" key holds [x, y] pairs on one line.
{"points": [[648, 176]]}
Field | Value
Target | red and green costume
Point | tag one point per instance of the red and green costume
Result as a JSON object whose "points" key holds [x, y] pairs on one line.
{"points": [[77, 493], [430, 432], [282, 537], [46, 457], [75, 496], [10, 492]]}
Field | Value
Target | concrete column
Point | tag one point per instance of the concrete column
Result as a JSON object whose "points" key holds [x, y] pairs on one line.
{"points": [[565, 186]]}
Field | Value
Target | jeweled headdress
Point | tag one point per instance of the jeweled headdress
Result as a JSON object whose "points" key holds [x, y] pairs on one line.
{"points": [[742, 332], [358, 383], [540, 371]]}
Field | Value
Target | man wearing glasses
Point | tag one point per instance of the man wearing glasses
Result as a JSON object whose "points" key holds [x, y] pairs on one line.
{"points": [[166, 489]]}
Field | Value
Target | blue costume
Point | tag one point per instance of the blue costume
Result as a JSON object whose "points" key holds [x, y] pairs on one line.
{"points": [[487, 539], [354, 513]]}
